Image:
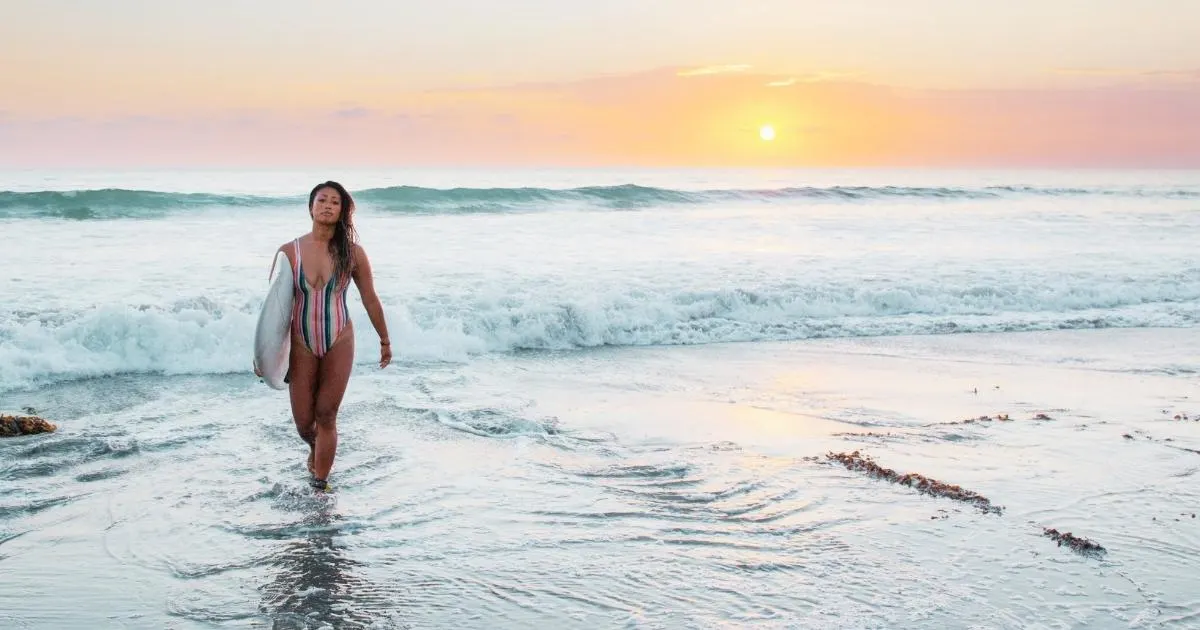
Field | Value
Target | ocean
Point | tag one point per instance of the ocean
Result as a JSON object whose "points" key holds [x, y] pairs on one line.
{"points": [[612, 402]]}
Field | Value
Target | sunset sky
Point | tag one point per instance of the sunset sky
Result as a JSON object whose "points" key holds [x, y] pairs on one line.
{"points": [[129, 83]]}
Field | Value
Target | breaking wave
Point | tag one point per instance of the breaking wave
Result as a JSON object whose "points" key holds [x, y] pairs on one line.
{"points": [[203, 336], [98, 204]]}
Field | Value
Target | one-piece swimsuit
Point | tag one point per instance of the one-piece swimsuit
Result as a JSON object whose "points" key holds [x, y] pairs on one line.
{"points": [[318, 314]]}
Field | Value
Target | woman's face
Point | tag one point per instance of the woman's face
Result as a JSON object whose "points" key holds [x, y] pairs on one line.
{"points": [[327, 206]]}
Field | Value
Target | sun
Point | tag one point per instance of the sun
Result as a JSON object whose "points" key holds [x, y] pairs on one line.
{"points": [[766, 132]]}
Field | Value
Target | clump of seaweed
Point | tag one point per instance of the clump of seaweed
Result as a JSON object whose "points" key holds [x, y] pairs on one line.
{"points": [[858, 462], [1000, 417], [1080, 545], [24, 425], [1164, 441], [860, 434]]}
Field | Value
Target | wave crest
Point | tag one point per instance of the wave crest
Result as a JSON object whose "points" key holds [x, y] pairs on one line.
{"points": [[206, 336], [99, 204]]}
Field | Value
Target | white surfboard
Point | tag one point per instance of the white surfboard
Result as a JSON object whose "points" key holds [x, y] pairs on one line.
{"points": [[272, 337]]}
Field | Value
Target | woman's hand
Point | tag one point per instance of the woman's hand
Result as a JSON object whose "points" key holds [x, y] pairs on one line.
{"points": [[385, 354]]}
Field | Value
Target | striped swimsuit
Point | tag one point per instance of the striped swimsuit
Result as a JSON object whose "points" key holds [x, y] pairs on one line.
{"points": [[318, 316]]}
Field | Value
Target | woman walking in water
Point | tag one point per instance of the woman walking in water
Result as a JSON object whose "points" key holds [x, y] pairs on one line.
{"points": [[324, 261]]}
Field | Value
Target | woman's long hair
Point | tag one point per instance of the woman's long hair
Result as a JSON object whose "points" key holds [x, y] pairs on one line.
{"points": [[341, 247]]}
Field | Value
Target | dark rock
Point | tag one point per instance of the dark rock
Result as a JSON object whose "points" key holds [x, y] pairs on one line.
{"points": [[11, 426]]}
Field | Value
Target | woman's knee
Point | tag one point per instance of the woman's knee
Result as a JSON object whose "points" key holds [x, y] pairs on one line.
{"points": [[308, 432], [326, 417]]}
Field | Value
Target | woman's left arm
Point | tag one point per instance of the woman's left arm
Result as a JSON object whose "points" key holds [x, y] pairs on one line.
{"points": [[366, 288]]}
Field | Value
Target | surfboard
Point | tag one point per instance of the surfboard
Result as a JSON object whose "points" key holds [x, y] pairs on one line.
{"points": [[272, 337]]}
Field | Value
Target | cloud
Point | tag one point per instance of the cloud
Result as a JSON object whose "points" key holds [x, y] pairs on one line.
{"points": [[136, 120], [1186, 75], [719, 69], [352, 113], [814, 77], [1096, 72], [658, 118]]}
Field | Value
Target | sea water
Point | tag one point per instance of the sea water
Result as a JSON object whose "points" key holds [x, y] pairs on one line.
{"points": [[608, 394]]}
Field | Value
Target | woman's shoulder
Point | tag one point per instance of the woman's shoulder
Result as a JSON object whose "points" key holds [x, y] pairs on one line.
{"points": [[291, 244]]}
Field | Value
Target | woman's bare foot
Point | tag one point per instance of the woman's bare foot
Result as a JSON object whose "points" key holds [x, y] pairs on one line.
{"points": [[312, 455]]}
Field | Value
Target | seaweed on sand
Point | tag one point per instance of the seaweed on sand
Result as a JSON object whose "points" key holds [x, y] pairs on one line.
{"points": [[862, 434], [1080, 545], [1000, 417], [856, 461]]}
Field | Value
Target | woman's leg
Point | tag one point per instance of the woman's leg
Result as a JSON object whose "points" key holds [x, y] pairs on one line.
{"points": [[302, 387], [333, 375]]}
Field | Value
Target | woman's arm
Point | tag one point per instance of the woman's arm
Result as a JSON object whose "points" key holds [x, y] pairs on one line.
{"points": [[366, 288]]}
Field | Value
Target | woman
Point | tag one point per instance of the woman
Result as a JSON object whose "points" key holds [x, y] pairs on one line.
{"points": [[322, 354]]}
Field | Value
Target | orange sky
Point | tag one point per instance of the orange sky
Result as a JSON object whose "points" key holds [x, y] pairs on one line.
{"points": [[369, 83]]}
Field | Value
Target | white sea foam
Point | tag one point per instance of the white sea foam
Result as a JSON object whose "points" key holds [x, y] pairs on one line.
{"points": [[177, 292], [202, 336]]}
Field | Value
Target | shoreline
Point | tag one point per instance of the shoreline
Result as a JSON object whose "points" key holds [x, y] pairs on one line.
{"points": [[837, 481]]}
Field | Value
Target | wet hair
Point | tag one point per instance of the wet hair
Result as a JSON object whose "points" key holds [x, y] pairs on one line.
{"points": [[341, 246]]}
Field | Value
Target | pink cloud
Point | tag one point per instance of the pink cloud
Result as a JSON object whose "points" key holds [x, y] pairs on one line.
{"points": [[657, 117]]}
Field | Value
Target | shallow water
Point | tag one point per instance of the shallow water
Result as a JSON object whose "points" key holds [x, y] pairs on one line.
{"points": [[652, 487], [611, 403]]}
